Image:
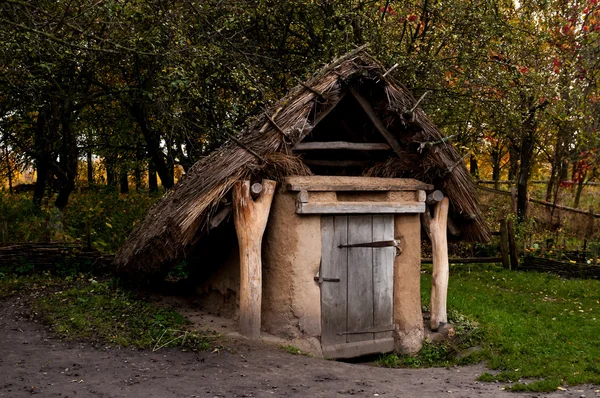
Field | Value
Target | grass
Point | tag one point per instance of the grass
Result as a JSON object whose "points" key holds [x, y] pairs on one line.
{"points": [[80, 308], [105, 313], [11, 283], [534, 326], [293, 350], [536, 331], [466, 334]]}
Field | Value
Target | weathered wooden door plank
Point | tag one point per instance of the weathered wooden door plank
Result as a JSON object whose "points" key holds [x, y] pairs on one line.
{"points": [[334, 264], [360, 277], [383, 274]]}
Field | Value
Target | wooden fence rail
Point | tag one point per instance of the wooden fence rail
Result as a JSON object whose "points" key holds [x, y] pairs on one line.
{"points": [[505, 182], [563, 268], [541, 202], [466, 260], [42, 256]]}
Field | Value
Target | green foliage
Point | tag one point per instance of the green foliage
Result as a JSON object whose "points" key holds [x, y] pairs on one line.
{"points": [[532, 326], [290, 349], [108, 215], [466, 334], [101, 311], [12, 283], [431, 355]]}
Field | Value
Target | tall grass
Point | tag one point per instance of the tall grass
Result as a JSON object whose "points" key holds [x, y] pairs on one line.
{"points": [[536, 326]]}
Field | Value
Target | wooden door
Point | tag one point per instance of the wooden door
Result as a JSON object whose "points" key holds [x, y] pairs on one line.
{"points": [[356, 284]]}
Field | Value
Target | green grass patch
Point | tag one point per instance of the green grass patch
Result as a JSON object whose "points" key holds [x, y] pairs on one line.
{"points": [[11, 283], [105, 313], [293, 350], [532, 325], [431, 355], [455, 351]]}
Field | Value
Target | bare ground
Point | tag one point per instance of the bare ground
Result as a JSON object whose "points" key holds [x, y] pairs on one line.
{"points": [[33, 362]]}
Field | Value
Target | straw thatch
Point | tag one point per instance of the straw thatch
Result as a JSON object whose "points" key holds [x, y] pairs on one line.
{"points": [[264, 149]]}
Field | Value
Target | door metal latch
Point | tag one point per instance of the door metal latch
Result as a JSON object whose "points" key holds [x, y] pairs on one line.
{"points": [[320, 279]]}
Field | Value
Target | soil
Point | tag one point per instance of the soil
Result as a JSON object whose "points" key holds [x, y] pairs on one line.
{"points": [[33, 362]]}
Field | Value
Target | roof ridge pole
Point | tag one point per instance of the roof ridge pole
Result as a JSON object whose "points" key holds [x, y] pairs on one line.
{"points": [[250, 218]]}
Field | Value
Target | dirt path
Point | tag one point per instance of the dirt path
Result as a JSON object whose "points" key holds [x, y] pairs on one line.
{"points": [[31, 362]]}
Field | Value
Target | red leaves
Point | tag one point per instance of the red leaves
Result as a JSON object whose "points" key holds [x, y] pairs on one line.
{"points": [[388, 10], [556, 64]]}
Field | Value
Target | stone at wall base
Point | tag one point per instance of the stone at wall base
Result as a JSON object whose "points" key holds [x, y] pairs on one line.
{"points": [[409, 342]]}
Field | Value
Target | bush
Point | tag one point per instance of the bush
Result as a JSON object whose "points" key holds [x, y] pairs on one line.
{"points": [[107, 215]]}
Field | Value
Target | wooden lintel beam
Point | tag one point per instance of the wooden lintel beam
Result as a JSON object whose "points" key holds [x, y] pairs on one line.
{"points": [[364, 104], [334, 145], [345, 183], [359, 207]]}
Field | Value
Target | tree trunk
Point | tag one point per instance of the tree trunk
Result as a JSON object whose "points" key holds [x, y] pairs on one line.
{"points": [[137, 175], [153, 139], [439, 278], [68, 161], [152, 180], [43, 151], [250, 218], [90, 168], [8, 170], [496, 159], [579, 189], [551, 183], [513, 162], [473, 166], [123, 180], [109, 164], [528, 129], [527, 146]]}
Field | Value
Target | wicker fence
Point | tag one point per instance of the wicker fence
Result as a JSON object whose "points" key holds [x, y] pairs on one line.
{"points": [[48, 256], [566, 269]]}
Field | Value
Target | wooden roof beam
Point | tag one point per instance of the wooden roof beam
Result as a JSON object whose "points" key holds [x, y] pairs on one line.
{"points": [[364, 104], [336, 163], [334, 145]]}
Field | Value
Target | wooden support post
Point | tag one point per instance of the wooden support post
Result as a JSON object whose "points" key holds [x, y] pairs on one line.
{"points": [[512, 245], [595, 261], [504, 248], [439, 279], [250, 218]]}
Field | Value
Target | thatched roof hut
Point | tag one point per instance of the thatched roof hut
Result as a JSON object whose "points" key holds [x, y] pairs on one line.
{"points": [[327, 105]]}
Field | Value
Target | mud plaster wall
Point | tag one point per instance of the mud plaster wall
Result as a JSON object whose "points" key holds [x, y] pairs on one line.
{"points": [[219, 293], [291, 258], [407, 285]]}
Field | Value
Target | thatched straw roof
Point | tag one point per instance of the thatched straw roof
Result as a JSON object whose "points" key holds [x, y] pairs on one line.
{"points": [[265, 149]]}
